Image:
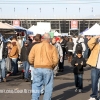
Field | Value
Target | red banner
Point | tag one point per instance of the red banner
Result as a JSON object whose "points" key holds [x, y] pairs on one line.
{"points": [[16, 23], [74, 24]]}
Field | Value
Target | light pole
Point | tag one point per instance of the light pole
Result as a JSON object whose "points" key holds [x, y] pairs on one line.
{"points": [[92, 12], [14, 9], [40, 12], [27, 12], [1, 11], [14, 12], [53, 11], [66, 12], [92, 9], [79, 12], [79, 9]]}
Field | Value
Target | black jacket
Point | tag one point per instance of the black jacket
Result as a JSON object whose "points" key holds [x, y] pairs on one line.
{"points": [[78, 69], [86, 42], [31, 45], [63, 45], [24, 54], [5, 51]]}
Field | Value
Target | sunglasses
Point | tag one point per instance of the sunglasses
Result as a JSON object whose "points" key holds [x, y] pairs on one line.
{"points": [[26, 43]]}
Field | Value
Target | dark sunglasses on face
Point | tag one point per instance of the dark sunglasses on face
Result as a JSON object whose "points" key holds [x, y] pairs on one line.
{"points": [[26, 43]]}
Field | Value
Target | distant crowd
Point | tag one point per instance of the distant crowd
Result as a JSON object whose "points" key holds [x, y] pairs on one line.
{"points": [[44, 56]]}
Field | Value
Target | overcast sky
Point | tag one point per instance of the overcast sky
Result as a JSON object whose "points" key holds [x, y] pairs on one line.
{"points": [[49, 8]]}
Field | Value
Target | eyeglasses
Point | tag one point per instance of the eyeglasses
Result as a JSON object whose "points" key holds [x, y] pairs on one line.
{"points": [[26, 43]]}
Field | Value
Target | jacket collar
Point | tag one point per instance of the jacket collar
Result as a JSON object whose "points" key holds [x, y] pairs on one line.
{"points": [[45, 41]]}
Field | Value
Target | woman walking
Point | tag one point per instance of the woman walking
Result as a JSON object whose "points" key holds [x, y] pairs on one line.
{"points": [[70, 45]]}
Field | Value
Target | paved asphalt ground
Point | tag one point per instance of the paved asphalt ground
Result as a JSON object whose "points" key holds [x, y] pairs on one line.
{"points": [[63, 87]]}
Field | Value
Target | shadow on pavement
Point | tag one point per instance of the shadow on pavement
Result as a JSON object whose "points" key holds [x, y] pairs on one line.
{"points": [[68, 93], [62, 86], [67, 70]]}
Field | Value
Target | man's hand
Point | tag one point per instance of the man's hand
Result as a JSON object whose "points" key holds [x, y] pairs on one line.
{"points": [[61, 59], [82, 63], [76, 64], [20, 62]]}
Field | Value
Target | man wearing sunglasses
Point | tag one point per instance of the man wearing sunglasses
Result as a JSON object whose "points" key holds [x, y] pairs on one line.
{"points": [[24, 59]]}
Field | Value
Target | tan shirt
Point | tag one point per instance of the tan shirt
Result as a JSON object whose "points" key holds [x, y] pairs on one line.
{"points": [[43, 55], [14, 52], [95, 48]]}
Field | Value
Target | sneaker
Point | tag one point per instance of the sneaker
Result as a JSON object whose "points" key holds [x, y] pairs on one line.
{"points": [[80, 90], [55, 75], [76, 90], [41, 93], [4, 79], [26, 80], [59, 70], [92, 98], [10, 73], [62, 70]]}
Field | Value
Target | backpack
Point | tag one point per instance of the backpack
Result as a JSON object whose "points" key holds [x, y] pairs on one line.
{"points": [[79, 47]]}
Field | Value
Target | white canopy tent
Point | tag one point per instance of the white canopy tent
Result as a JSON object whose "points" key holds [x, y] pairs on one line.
{"points": [[64, 34], [36, 30], [94, 30], [45, 26], [57, 34]]}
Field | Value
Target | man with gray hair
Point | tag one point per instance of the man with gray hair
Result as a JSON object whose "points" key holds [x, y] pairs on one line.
{"points": [[44, 57]]}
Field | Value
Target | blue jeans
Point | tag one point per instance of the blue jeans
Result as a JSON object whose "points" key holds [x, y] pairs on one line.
{"points": [[26, 69], [14, 65], [78, 81], [2, 68], [32, 71], [42, 76], [95, 74], [86, 53]]}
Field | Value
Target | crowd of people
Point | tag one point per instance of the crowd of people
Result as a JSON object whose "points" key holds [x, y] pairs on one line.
{"points": [[45, 58]]}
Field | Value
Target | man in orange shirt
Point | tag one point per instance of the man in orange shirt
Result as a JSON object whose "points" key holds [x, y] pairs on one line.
{"points": [[44, 57]]}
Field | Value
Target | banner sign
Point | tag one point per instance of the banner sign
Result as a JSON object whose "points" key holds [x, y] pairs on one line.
{"points": [[74, 24], [16, 23]]}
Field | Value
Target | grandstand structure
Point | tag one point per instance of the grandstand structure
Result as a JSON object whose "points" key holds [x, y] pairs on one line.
{"points": [[60, 25]]}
